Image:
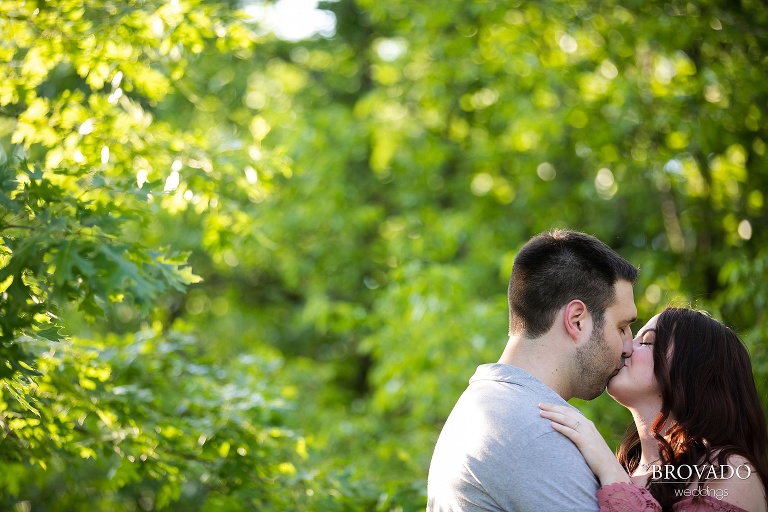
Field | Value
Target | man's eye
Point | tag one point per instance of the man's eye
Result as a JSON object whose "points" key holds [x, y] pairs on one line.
{"points": [[623, 331]]}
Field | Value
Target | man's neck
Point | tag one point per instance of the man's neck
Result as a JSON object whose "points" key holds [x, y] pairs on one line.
{"points": [[541, 360]]}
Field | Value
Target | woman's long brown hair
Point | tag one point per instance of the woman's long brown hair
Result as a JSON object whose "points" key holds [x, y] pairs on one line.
{"points": [[710, 403]]}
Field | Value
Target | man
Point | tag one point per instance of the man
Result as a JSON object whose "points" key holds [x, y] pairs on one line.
{"points": [[570, 310]]}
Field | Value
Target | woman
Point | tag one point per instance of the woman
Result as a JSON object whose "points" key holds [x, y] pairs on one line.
{"points": [[699, 441]]}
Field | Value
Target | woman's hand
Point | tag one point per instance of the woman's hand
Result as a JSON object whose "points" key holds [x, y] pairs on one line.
{"points": [[588, 440]]}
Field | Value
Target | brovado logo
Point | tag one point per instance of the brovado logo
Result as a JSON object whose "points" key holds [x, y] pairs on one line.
{"points": [[705, 471]]}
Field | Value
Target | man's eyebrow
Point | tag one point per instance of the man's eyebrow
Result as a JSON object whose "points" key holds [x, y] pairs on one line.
{"points": [[631, 320]]}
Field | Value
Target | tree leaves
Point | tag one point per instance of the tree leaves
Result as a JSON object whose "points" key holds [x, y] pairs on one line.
{"points": [[354, 204], [118, 422], [62, 249]]}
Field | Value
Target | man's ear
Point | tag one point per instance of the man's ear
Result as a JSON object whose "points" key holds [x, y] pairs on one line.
{"points": [[575, 318]]}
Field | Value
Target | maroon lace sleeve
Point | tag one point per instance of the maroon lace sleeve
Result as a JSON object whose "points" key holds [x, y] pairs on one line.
{"points": [[624, 497], [705, 504]]}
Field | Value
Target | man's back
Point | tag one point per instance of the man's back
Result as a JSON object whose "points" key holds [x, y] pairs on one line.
{"points": [[496, 453]]}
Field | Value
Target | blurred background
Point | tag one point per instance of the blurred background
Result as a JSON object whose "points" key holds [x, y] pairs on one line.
{"points": [[251, 252]]}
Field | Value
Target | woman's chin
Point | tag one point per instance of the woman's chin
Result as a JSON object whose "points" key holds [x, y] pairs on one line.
{"points": [[615, 387], [619, 398]]}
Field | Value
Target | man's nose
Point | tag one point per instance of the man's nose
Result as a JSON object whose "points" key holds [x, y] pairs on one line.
{"points": [[629, 346]]}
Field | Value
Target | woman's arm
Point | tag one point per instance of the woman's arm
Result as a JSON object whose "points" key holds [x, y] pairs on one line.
{"points": [[624, 497], [619, 494]]}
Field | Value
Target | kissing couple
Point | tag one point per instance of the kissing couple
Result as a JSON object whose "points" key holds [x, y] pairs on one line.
{"points": [[513, 443]]}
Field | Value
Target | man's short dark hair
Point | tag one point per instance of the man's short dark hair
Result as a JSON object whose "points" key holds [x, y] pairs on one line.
{"points": [[559, 266]]}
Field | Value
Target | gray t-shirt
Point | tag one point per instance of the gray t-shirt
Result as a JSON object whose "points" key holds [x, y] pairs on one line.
{"points": [[496, 453]]}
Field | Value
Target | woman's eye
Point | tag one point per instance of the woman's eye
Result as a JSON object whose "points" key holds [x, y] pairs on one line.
{"points": [[646, 343]]}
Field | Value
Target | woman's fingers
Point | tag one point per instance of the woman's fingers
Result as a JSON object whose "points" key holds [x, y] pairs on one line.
{"points": [[566, 431], [561, 419], [560, 409], [564, 416]]}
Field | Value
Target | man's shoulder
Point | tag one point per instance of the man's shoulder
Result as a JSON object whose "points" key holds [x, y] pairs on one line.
{"points": [[501, 373], [495, 450], [508, 390], [526, 472], [500, 408]]}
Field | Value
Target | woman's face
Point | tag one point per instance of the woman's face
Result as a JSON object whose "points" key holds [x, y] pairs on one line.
{"points": [[635, 383]]}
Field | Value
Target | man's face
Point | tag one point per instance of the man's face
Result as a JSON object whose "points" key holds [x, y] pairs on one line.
{"points": [[603, 356]]}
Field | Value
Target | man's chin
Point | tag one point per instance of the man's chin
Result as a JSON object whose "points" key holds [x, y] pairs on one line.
{"points": [[593, 393], [616, 372], [590, 395]]}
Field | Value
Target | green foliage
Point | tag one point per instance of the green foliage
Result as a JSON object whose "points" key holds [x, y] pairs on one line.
{"points": [[353, 204], [81, 87], [144, 422], [66, 248]]}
